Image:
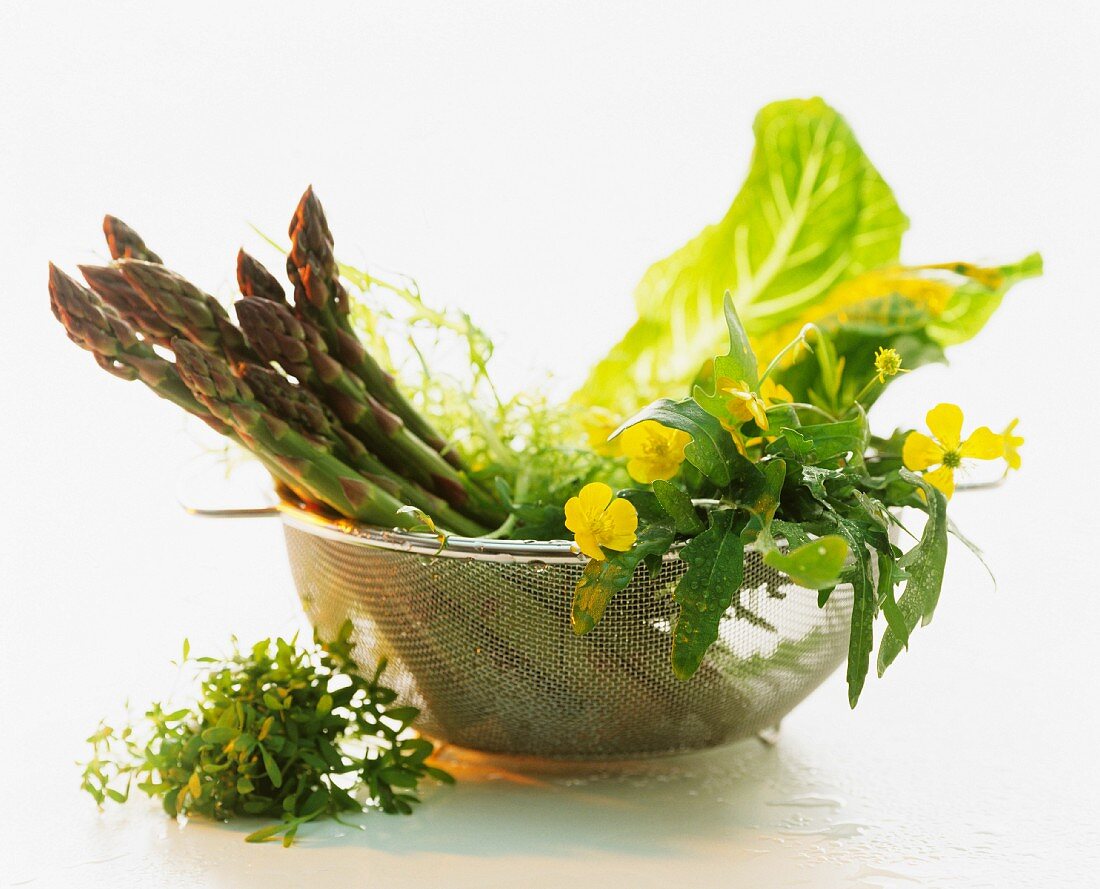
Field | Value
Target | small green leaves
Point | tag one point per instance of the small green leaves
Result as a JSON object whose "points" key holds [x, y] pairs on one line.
{"points": [[815, 565], [219, 734], [715, 562], [267, 737]]}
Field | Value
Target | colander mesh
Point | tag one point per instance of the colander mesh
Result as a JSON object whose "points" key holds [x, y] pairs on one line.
{"points": [[485, 649]]}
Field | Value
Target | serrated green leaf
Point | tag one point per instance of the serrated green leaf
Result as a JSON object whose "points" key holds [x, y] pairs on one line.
{"points": [[738, 364], [715, 561], [895, 620], [678, 506], [864, 609], [923, 567]]}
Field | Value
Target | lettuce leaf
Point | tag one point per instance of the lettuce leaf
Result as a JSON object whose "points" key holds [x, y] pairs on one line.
{"points": [[813, 212]]}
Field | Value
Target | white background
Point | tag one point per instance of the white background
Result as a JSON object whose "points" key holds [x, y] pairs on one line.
{"points": [[527, 163]]}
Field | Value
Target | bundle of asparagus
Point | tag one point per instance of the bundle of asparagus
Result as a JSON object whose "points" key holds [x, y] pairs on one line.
{"points": [[293, 383]]}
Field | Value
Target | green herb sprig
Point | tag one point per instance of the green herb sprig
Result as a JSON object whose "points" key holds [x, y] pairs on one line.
{"points": [[277, 731]]}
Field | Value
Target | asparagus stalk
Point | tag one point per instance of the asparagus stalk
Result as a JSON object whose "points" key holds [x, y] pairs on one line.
{"points": [[311, 417], [116, 292], [186, 309], [301, 457], [300, 349], [256, 281], [320, 298], [117, 349], [95, 327], [125, 243]]}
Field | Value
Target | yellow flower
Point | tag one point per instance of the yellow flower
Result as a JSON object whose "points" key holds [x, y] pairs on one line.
{"points": [[599, 519], [1012, 445], [773, 392], [599, 423], [888, 364], [746, 404], [947, 451], [655, 451]]}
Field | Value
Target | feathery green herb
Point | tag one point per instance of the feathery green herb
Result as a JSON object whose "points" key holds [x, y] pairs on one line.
{"points": [[277, 731]]}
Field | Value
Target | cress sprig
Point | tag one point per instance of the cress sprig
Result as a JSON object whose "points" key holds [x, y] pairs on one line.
{"points": [[279, 731]]}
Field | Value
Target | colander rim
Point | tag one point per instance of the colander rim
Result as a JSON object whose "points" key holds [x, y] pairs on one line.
{"points": [[299, 517]]}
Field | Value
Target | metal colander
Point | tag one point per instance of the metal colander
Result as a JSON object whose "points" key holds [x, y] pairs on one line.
{"points": [[478, 636]]}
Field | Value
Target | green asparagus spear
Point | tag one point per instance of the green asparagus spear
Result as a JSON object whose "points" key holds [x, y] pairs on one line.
{"points": [[299, 348], [116, 292], [125, 243], [301, 457], [320, 298], [94, 326], [255, 280], [309, 416], [190, 312]]}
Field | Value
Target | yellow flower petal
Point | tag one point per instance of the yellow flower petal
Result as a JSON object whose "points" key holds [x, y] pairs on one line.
{"points": [[945, 422], [759, 412], [575, 518], [655, 451], [983, 444], [594, 497], [586, 541], [771, 391], [677, 441], [622, 521], [646, 471], [598, 424], [919, 452], [944, 479], [1012, 443]]}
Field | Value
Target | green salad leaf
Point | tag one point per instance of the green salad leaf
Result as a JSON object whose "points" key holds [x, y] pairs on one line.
{"points": [[812, 212], [923, 568], [716, 563]]}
